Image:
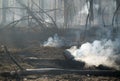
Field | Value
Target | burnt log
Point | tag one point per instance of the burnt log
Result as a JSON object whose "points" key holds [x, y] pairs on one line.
{"points": [[72, 62], [68, 55], [56, 71]]}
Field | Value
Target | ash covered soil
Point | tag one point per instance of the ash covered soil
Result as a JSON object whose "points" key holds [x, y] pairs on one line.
{"points": [[47, 57], [40, 57]]}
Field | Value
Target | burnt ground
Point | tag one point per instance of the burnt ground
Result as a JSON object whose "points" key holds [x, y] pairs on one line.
{"points": [[47, 57], [24, 45]]}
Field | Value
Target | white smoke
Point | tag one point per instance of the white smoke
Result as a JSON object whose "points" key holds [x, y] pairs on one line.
{"points": [[54, 41], [97, 53]]}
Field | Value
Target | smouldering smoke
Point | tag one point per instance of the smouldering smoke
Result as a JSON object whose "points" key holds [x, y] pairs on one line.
{"points": [[54, 41], [103, 52]]}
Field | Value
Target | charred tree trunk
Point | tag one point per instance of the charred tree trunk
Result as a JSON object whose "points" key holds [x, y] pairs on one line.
{"points": [[28, 14], [42, 7], [65, 14], [100, 14], [55, 18], [69, 13], [90, 17], [4, 11], [91, 14], [118, 12], [118, 3], [115, 20]]}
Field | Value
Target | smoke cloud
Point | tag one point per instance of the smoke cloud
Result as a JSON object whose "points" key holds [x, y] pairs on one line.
{"points": [[104, 52]]}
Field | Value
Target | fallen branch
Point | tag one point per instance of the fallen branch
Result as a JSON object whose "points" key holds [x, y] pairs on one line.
{"points": [[56, 71]]}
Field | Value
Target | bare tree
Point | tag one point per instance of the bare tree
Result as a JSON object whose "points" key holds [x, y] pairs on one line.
{"points": [[30, 12]]}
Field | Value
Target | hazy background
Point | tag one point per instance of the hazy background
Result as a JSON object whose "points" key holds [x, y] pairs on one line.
{"points": [[27, 22]]}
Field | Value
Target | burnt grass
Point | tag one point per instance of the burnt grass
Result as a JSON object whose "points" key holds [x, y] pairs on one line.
{"points": [[24, 45], [43, 57]]}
